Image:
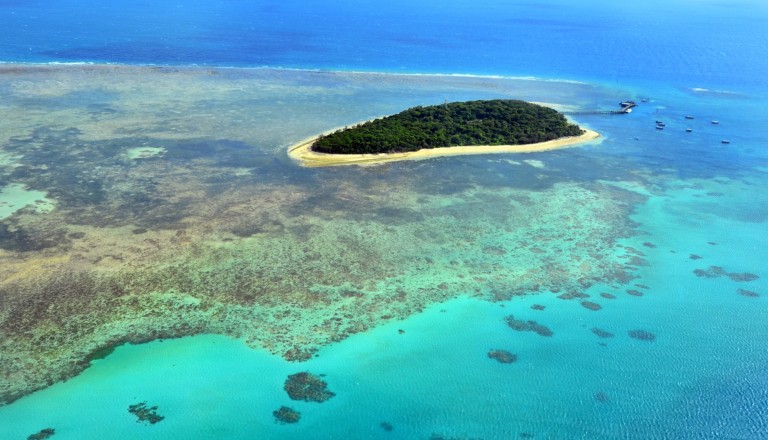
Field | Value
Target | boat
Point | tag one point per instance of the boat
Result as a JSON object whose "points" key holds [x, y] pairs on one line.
{"points": [[689, 117], [659, 127], [661, 124], [715, 122], [725, 141], [688, 130]]}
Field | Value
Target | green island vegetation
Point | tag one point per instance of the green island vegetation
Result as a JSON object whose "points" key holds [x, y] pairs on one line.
{"points": [[487, 122]]}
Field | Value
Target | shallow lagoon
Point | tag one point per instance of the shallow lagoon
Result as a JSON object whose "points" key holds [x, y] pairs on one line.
{"points": [[221, 233]]}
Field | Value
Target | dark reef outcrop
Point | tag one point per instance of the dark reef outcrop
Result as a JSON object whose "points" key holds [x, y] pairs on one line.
{"points": [[307, 387], [602, 333], [286, 415], [642, 335], [591, 305], [43, 434], [717, 271], [503, 356], [145, 413], [527, 326]]}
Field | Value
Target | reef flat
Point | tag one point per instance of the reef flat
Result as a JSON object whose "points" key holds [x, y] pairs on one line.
{"points": [[171, 210]]}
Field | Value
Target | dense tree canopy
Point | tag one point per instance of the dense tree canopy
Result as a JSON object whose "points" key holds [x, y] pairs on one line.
{"points": [[490, 122]]}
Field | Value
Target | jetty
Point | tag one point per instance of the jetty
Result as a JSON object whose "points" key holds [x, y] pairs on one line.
{"points": [[626, 107]]}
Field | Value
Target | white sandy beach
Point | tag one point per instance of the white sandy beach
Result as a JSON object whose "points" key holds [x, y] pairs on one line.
{"points": [[302, 153]]}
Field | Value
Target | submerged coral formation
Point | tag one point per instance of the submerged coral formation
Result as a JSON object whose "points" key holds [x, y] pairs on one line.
{"points": [[308, 387], [42, 434], [207, 230], [748, 293], [145, 413], [642, 335], [717, 271], [503, 356], [286, 415], [602, 333], [527, 326], [591, 305]]}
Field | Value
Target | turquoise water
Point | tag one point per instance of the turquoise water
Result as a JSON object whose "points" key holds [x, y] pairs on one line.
{"points": [[696, 203]]}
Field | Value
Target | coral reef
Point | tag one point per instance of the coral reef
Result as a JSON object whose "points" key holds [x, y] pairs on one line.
{"points": [[307, 387], [503, 356], [642, 335], [145, 413], [218, 235], [527, 326], [748, 293], [635, 292], [717, 271], [602, 333], [742, 277], [43, 434], [591, 305], [286, 415]]}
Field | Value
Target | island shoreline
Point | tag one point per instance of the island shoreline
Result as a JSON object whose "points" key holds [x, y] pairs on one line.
{"points": [[302, 153]]}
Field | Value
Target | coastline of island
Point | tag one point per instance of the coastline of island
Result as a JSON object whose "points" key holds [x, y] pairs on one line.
{"points": [[302, 153]]}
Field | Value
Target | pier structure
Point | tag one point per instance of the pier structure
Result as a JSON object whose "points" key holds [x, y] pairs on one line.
{"points": [[626, 107]]}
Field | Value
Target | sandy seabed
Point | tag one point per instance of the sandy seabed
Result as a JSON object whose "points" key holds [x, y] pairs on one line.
{"points": [[302, 152]]}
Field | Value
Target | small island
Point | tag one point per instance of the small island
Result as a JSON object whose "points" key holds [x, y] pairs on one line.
{"points": [[472, 127]]}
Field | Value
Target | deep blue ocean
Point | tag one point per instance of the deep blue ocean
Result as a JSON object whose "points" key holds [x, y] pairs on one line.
{"points": [[685, 42], [702, 376]]}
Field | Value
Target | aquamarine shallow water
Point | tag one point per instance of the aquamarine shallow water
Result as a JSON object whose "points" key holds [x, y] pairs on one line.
{"points": [[702, 377]]}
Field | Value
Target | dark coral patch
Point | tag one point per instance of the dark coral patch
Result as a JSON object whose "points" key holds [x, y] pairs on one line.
{"points": [[527, 326], [286, 415], [608, 295], [307, 387], [573, 295], [717, 271], [746, 276], [503, 356], [642, 286], [601, 397], [299, 354], [648, 244], [634, 292], [602, 333], [695, 257], [43, 434], [386, 426], [748, 293], [642, 335], [637, 261], [145, 413], [710, 272], [538, 307], [494, 250], [591, 306]]}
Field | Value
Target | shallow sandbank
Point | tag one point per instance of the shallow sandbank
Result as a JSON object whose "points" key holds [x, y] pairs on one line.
{"points": [[302, 153]]}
